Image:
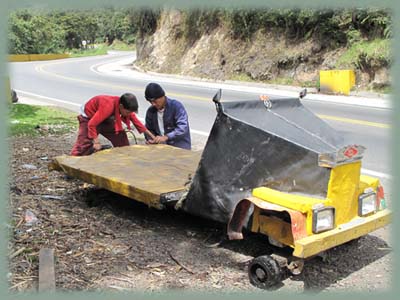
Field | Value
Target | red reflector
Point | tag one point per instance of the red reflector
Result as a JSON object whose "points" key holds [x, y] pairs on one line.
{"points": [[380, 198], [380, 193], [350, 152]]}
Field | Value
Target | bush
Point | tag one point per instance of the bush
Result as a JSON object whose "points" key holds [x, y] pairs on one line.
{"points": [[367, 54], [32, 34]]}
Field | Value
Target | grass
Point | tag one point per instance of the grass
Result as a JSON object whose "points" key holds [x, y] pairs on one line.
{"points": [[121, 46], [101, 49], [282, 81], [376, 50], [384, 90], [32, 120], [278, 81], [241, 77], [97, 50], [375, 53]]}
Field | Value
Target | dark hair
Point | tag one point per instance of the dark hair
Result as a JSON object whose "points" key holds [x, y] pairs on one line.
{"points": [[153, 91], [129, 102]]}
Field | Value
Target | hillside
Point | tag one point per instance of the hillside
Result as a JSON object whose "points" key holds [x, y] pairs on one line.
{"points": [[281, 47]]}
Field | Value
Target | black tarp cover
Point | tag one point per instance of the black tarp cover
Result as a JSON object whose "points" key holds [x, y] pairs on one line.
{"points": [[251, 145]]}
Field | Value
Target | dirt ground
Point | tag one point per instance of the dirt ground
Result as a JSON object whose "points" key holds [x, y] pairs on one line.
{"points": [[103, 241]]}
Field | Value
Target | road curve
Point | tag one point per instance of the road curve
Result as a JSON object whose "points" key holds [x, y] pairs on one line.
{"points": [[70, 82]]}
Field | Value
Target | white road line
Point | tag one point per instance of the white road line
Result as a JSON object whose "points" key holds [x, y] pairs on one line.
{"points": [[376, 174], [49, 98], [198, 132], [108, 68], [94, 67]]}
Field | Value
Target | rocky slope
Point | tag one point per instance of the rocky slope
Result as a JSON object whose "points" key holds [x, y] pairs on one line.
{"points": [[266, 56]]}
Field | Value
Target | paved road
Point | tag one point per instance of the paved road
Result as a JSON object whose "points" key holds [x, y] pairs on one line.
{"points": [[70, 82]]}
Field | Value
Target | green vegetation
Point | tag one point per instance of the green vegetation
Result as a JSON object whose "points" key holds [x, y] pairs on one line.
{"points": [[330, 26], [198, 22], [277, 81], [41, 31], [93, 50], [34, 120], [101, 49], [33, 34], [284, 81], [122, 46], [375, 53], [241, 77], [365, 34]]}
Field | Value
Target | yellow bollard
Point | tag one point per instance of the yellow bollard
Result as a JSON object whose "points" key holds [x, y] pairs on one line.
{"points": [[337, 81]]}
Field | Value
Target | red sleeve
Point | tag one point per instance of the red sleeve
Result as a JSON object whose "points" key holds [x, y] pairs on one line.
{"points": [[105, 110], [139, 125]]}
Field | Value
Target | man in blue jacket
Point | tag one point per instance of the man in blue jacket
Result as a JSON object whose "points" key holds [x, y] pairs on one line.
{"points": [[166, 119]]}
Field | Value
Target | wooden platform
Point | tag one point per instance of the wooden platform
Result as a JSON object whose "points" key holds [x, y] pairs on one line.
{"points": [[141, 172]]}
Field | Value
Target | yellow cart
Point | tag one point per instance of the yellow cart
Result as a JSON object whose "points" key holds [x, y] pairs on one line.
{"points": [[269, 166]]}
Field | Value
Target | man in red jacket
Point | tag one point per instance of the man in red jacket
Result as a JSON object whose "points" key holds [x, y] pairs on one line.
{"points": [[104, 115]]}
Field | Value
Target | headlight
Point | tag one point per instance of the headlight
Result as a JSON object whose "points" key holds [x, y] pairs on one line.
{"points": [[367, 204], [323, 219]]}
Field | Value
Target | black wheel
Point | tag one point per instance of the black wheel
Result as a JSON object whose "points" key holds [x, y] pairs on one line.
{"points": [[264, 272]]}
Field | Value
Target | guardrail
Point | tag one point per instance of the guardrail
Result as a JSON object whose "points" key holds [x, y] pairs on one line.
{"points": [[33, 57]]}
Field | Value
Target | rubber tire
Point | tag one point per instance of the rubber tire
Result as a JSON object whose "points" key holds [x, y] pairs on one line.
{"points": [[267, 267]]}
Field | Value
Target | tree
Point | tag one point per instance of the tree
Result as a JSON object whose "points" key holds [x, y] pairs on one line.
{"points": [[30, 34]]}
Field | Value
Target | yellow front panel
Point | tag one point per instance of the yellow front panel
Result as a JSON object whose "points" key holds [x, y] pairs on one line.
{"points": [[367, 182], [344, 187], [277, 229], [318, 243], [292, 201], [299, 203], [343, 190]]}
